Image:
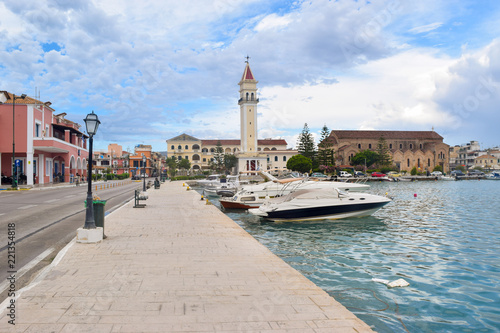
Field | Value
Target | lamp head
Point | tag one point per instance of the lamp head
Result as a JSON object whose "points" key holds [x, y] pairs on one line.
{"points": [[92, 123]]}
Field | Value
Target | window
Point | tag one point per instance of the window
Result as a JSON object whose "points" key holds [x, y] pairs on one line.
{"points": [[186, 157], [204, 159], [179, 158], [420, 146], [37, 130], [275, 158], [173, 147], [370, 146], [284, 158], [186, 147], [179, 147], [408, 162], [136, 164], [411, 145], [390, 146], [47, 131], [359, 145], [400, 146], [429, 162]]}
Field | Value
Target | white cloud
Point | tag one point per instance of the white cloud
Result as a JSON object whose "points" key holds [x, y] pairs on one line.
{"points": [[426, 28]]}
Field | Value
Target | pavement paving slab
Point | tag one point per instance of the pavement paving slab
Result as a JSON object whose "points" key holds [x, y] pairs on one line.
{"points": [[177, 265]]}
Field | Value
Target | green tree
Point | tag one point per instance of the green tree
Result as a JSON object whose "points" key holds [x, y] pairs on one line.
{"points": [[384, 157], [172, 165], [230, 162], [326, 155], [438, 168], [217, 163], [184, 164], [299, 163], [366, 156], [305, 143]]}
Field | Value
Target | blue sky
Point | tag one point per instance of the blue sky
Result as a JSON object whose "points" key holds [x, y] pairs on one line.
{"points": [[152, 69]]}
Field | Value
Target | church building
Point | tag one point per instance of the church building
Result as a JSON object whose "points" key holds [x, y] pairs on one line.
{"points": [[253, 154]]}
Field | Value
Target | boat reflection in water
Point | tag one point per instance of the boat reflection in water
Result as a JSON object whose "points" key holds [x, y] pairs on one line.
{"points": [[319, 204]]}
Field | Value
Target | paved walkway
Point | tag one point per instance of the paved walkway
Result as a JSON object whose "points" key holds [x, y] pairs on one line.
{"points": [[177, 265]]}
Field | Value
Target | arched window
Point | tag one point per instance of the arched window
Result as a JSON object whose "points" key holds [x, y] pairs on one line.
{"points": [[400, 146], [186, 147], [247, 96], [390, 146], [196, 146], [369, 146], [420, 146], [274, 148], [284, 158], [429, 162], [196, 157], [173, 147], [204, 150], [408, 162], [275, 158], [212, 150], [359, 145], [179, 147], [252, 97], [411, 145]]}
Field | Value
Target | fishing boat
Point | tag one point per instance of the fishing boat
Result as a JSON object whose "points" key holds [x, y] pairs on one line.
{"points": [[319, 204]]}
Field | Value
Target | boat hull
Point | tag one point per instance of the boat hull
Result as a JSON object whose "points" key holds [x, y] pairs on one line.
{"points": [[230, 204]]}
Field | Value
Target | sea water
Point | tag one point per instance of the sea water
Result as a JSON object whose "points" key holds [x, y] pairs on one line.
{"points": [[443, 237]]}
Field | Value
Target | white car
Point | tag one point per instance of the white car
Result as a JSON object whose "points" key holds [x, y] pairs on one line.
{"points": [[436, 173], [344, 174]]}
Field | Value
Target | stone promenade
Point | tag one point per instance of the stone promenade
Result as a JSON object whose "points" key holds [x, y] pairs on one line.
{"points": [[177, 265]]}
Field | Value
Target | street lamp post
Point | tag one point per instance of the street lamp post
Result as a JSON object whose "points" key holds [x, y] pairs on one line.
{"points": [[144, 172], [92, 123], [14, 167]]}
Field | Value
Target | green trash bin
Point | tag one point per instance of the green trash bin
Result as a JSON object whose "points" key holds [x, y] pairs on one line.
{"points": [[99, 210]]}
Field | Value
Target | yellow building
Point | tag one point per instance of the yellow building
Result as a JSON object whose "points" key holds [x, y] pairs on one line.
{"points": [[408, 149]]}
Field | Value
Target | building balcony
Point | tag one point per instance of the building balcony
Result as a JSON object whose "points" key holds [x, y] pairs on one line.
{"points": [[54, 145]]}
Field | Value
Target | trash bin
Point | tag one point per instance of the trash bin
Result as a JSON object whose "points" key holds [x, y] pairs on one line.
{"points": [[99, 210]]}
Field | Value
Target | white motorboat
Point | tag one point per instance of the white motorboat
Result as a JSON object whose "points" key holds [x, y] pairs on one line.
{"points": [[226, 188], [319, 204], [210, 181], [252, 196], [495, 175], [447, 178]]}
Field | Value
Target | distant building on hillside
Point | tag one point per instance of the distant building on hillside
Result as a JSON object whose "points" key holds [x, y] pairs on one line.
{"points": [[408, 149]]}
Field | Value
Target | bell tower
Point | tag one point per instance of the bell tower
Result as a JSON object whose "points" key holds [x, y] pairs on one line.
{"points": [[248, 111]]}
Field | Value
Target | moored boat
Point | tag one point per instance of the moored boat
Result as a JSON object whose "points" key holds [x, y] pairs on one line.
{"points": [[319, 204]]}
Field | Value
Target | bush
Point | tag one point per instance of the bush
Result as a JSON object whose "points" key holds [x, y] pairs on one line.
{"points": [[438, 168], [413, 171]]}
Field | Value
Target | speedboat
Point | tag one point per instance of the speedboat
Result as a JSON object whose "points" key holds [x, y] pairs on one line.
{"points": [[226, 188], [319, 204], [253, 196], [495, 175], [447, 178], [210, 181]]}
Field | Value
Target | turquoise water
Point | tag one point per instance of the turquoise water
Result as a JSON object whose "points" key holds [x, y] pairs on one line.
{"points": [[445, 242]]}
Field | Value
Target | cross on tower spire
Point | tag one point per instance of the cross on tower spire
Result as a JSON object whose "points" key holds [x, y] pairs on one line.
{"points": [[247, 57]]}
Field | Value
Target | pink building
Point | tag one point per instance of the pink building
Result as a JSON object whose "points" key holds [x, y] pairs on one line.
{"points": [[49, 148]]}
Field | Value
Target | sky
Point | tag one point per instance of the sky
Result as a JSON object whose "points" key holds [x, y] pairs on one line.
{"points": [[152, 70]]}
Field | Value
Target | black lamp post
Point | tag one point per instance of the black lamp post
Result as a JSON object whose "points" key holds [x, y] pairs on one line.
{"points": [[14, 167], [144, 172], [92, 123]]}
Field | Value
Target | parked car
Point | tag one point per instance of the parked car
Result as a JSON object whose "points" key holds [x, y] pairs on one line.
{"points": [[393, 174], [457, 173], [476, 173], [319, 175], [344, 174], [359, 174], [378, 174], [436, 173]]}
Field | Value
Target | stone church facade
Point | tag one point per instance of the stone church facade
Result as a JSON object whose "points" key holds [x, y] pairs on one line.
{"points": [[408, 149]]}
